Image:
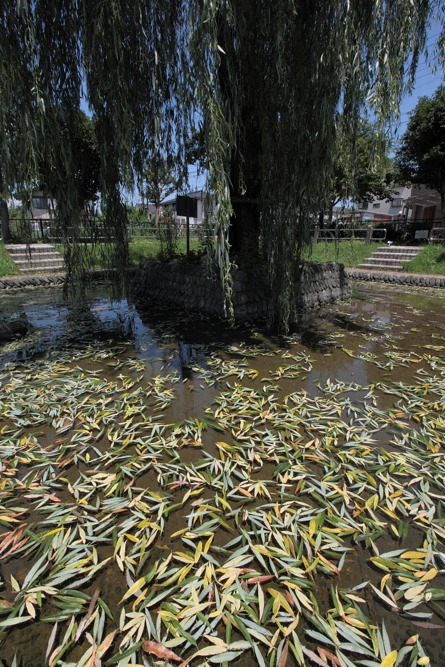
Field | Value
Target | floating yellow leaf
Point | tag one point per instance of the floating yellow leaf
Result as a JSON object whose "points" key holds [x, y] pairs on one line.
{"points": [[414, 555], [427, 576], [389, 660]]}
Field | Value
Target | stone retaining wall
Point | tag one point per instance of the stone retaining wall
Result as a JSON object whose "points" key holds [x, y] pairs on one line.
{"points": [[188, 286], [48, 279], [415, 279], [16, 282]]}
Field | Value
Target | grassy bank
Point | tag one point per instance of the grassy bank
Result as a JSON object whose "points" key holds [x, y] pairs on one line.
{"points": [[7, 266], [141, 249], [349, 253], [430, 260], [98, 257]]}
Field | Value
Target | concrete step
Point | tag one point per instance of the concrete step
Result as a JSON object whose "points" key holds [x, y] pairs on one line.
{"points": [[386, 267], [384, 261], [35, 258], [391, 258], [49, 261], [402, 256], [17, 248], [399, 248], [42, 269]]}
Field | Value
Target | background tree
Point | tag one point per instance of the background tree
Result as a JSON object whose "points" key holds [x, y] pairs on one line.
{"points": [[265, 80], [362, 171], [421, 155], [74, 165], [158, 182]]}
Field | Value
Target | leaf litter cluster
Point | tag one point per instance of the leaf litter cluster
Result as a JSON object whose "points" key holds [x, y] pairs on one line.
{"points": [[288, 524]]}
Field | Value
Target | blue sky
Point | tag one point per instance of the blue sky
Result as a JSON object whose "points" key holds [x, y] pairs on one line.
{"points": [[426, 82]]}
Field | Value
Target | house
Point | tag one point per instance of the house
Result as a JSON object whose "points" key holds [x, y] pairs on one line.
{"points": [[408, 203], [38, 203], [148, 209], [424, 206], [199, 196]]}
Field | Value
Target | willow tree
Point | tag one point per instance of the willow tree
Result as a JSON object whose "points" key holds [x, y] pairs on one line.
{"points": [[127, 61], [266, 81]]}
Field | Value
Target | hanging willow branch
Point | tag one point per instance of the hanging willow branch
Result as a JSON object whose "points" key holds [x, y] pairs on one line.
{"points": [[266, 80], [289, 70]]}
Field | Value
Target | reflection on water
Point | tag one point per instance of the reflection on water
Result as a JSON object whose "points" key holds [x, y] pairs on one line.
{"points": [[164, 339], [56, 322]]}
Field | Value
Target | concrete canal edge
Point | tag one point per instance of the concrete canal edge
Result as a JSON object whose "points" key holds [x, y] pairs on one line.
{"points": [[397, 277], [188, 285]]}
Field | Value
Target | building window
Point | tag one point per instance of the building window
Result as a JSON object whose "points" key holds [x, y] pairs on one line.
{"points": [[40, 202], [376, 205], [363, 205], [397, 201]]}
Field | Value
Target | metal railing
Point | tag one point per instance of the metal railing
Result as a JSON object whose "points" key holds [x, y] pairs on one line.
{"points": [[396, 231], [351, 234], [93, 230]]}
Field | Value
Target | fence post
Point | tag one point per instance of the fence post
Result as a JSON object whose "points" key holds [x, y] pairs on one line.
{"points": [[369, 234], [316, 232]]}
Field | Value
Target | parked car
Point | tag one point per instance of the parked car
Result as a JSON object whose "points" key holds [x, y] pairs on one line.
{"points": [[437, 235]]}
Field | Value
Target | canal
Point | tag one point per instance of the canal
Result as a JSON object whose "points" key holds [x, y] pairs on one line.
{"points": [[175, 491]]}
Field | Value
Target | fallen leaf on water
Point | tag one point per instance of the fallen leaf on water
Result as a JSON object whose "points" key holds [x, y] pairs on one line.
{"points": [[283, 657], [160, 651], [390, 659]]}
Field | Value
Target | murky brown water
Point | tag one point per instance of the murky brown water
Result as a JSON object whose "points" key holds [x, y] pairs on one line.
{"points": [[191, 433]]}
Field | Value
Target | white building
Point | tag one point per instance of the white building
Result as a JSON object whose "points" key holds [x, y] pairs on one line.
{"points": [[417, 202], [199, 196], [38, 204]]}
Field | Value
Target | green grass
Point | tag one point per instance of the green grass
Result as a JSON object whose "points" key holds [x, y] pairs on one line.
{"points": [[431, 259], [7, 266], [142, 249], [139, 250], [349, 253]]}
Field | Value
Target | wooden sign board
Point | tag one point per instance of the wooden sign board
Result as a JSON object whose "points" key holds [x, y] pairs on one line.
{"points": [[187, 207]]}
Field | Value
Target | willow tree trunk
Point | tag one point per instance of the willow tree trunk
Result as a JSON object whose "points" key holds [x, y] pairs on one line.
{"points": [[245, 160], [442, 202], [245, 192], [4, 213]]}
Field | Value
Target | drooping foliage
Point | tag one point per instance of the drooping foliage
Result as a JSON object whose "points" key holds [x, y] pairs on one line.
{"points": [[421, 155], [77, 135], [362, 173], [265, 80]]}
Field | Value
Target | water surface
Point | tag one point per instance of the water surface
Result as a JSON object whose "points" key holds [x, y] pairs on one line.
{"points": [[167, 478]]}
